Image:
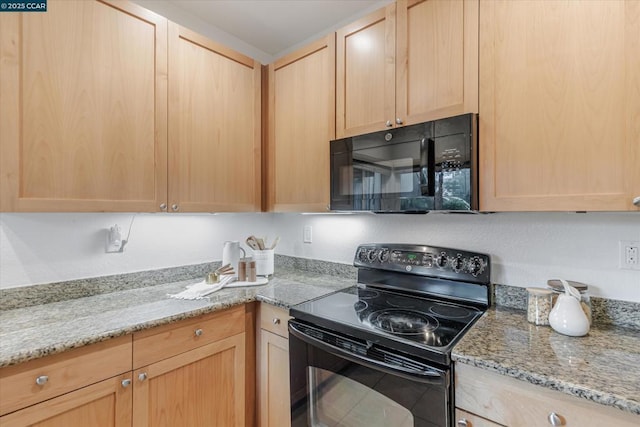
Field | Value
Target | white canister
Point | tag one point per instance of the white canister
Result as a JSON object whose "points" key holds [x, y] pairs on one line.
{"points": [[264, 262]]}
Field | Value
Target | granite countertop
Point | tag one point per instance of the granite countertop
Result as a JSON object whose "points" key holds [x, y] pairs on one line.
{"points": [[602, 367], [32, 332]]}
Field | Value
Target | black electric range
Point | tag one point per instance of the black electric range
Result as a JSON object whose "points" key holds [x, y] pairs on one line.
{"points": [[415, 299]]}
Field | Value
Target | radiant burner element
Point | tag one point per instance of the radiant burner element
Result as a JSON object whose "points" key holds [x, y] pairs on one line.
{"points": [[403, 322], [449, 311], [367, 293], [360, 305]]}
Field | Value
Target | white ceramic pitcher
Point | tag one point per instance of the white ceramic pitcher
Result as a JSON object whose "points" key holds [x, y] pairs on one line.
{"points": [[231, 254], [567, 316]]}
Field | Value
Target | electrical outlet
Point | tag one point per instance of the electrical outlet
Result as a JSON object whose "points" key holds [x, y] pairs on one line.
{"points": [[629, 255], [307, 236]]}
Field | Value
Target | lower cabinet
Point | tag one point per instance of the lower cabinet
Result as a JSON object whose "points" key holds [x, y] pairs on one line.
{"points": [[196, 373], [273, 367], [104, 404], [191, 373], [88, 386], [484, 398], [202, 387]]}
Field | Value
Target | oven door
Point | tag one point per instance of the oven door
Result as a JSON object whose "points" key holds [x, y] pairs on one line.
{"points": [[340, 381]]}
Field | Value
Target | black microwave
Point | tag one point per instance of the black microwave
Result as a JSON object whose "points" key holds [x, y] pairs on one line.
{"points": [[431, 166]]}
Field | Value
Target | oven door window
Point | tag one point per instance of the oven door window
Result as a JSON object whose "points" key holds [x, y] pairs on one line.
{"points": [[337, 381], [336, 399]]}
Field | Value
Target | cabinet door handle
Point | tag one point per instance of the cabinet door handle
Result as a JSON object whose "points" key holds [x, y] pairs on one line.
{"points": [[389, 123], [42, 380], [175, 207], [555, 419], [464, 423], [163, 206], [276, 321], [126, 383], [398, 121], [636, 201], [142, 376], [198, 332]]}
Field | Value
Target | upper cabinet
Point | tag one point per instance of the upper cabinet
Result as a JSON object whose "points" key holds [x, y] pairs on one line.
{"points": [[104, 110], [559, 105], [214, 126], [84, 108], [410, 62], [301, 111]]}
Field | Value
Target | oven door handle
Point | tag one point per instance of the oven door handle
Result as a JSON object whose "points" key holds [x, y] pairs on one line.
{"points": [[431, 376]]}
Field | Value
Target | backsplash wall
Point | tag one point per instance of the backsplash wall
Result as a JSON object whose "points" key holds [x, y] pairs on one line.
{"points": [[526, 248]]}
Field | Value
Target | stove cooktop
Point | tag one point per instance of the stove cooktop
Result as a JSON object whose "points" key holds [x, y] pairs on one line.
{"points": [[413, 324]]}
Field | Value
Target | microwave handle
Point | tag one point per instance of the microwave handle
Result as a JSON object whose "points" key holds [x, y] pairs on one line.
{"points": [[430, 376], [427, 167]]}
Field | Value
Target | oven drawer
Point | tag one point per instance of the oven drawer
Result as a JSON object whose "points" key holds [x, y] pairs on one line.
{"points": [[512, 402]]}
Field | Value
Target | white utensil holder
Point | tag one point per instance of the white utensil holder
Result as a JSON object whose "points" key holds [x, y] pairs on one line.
{"points": [[264, 262]]}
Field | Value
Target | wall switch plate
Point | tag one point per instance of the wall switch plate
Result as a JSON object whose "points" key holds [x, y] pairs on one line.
{"points": [[629, 255], [307, 236]]}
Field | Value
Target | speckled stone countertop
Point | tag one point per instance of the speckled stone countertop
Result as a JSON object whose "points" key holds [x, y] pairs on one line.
{"points": [[31, 332], [602, 367]]}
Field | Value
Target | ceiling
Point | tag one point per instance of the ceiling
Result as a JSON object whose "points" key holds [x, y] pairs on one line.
{"points": [[272, 27]]}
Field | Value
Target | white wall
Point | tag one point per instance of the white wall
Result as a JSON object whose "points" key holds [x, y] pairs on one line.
{"points": [[526, 248]]}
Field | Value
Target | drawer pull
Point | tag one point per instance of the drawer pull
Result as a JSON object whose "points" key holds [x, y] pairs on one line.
{"points": [[276, 321], [198, 332], [555, 419], [42, 380], [463, 423], [126, 383], [142, 376]]}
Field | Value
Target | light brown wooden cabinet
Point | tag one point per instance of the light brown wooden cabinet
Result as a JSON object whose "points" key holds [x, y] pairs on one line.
{"points": [[492, 399], [301, 117], [104, 109], [559, 105], [192, 373], [214, 126], [86, 386], [84, 108], [407, 63], [274, 408]]}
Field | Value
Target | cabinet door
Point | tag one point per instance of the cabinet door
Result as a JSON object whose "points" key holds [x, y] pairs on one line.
{"points": [[301, 124], [214, 126], [104, 404], [559, 105], [365, 74], [84, 108], [199, 388], [275, 407], [437, 59]]}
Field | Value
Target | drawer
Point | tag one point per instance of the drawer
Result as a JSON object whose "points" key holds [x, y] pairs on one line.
{"points": [[62, 373], [467, 419], [169, 340], [512, 402], [274, 319]]}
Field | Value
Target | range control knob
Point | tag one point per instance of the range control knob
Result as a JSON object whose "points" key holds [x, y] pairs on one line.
{"points": [[476, 266], [362, 255], [372, 255], [441, 261], [383, 255], [457, 263]]}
